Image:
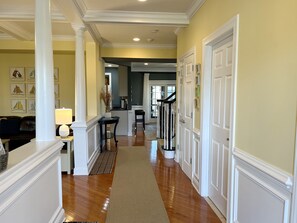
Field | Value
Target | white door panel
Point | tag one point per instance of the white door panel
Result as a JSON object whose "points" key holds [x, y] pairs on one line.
{"points": [[186, 111], [220, 123]]}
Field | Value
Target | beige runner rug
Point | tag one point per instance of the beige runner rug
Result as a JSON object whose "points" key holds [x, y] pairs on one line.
{"points": [[135, 196]]}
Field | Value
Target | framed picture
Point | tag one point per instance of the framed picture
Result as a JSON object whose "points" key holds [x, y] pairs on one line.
{"points": [[31, 90], [17, 89], [57, 103], [56, 90], [31, 105], [17, 74], [197, 103], [30, 73], [56, 74], [18, 105]]}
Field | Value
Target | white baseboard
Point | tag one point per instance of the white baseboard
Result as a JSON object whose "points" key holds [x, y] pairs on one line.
{"points": [[262, 193]]}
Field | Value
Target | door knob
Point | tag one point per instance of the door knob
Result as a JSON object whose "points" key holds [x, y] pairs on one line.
{"points": [[228, 139]]}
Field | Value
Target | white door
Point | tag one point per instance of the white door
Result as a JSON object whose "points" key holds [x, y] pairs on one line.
{"points": [[186, 120], [220, 123]]}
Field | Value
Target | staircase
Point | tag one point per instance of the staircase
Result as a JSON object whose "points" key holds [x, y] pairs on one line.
{"points": [[166, 125]]}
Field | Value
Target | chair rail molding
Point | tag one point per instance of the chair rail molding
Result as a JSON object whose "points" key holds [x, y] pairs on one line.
{"points": [[258, 189]]}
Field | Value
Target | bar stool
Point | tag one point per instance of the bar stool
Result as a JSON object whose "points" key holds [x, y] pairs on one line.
{"points": [[139, 117]]}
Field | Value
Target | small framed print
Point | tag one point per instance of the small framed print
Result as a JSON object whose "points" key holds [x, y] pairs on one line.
{"points": [[31, 105], [17, 74], [31, 90], [56, 90], [18, 105], [57, 103], [197, 103], [17, 89], [30, 73], [56, 74]]}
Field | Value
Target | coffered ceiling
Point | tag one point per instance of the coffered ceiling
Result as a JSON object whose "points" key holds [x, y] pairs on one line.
{"points": [[110, 22]]}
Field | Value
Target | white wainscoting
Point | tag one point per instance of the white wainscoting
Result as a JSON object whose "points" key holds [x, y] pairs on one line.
{"points": [[196, 160], [86, 145], [31, 187], [262, 193]]}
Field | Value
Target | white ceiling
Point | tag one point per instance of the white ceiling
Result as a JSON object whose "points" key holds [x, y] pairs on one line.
{"points": [[111, 22]]}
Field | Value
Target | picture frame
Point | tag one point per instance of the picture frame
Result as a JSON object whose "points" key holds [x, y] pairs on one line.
{"points": [[31, 105], [17, 89], [56, 74], [17, 74], [31, 90], [30, 73], [56, 90], [18, 105], [197, 103], [57, 103]]}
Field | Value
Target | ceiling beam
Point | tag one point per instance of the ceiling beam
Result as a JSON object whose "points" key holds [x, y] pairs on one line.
{"points": [[149, 18], [15, 31]]}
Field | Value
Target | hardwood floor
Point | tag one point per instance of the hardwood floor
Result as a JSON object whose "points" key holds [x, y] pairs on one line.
{"points": [[86, 198]]}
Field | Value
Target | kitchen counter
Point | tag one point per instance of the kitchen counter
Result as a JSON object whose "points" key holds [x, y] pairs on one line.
{"points": [[125, 123]]}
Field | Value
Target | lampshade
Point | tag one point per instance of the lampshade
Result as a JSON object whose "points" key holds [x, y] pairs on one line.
{"points": [[63, 117]]}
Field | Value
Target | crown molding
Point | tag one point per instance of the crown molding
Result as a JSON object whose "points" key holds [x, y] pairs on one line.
{"points": [[63, 38], [28, 15], [180, 19], [128, 45], [94, 32], [81, 7], [15, 31], [195, 7]]}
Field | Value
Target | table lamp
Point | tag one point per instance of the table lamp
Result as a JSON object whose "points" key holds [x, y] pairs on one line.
{"points": [[63, 117]]}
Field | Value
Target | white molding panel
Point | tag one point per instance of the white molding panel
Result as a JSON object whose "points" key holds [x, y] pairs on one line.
{"points": [[196, 161], [31, 188], [262, 193]]}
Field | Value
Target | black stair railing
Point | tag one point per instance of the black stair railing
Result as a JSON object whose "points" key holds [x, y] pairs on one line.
{"points": [[166, 121]]}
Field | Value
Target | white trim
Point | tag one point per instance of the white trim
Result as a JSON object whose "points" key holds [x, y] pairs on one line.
{"points": [[277, 191], [134, 17], [195, 7], [178, 155], [229, 28], [277, 174], [131, 45], [294, 196]]}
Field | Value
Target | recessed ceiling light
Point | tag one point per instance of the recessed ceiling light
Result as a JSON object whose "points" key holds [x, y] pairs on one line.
{"points": [[145, 64], [136, 39], [142, 0], [109, 65]]}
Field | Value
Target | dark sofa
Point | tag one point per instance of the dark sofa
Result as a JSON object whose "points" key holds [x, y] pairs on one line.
{"points": [[20, 130]]}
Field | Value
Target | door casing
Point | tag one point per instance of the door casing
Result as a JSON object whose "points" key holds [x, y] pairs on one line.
{"points": [[229, 28]]}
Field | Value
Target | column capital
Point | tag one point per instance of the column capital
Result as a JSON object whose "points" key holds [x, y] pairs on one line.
{"points": [[78, 27]]}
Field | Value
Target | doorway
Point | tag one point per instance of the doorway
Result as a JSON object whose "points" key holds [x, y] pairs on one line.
{"points": [[209, 95], [185, 108], [159, 90]]}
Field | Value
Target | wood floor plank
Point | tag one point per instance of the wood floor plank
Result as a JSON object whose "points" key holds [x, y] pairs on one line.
{"points": [[86, 198]]}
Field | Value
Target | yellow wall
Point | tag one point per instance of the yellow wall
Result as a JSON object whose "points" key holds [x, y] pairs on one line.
{"points": [[64, 61], [267, 76], [139, 53]]}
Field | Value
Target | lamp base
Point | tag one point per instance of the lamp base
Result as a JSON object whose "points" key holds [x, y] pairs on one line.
{"points": [[64, 131]]}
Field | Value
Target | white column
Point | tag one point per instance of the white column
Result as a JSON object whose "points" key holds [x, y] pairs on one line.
{"points": [[80, 79], [44, 78], [81, 155]]}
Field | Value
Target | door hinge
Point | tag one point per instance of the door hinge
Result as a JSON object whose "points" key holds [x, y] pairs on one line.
{"points": [[192, 67], [190, 160], [191, 114]]}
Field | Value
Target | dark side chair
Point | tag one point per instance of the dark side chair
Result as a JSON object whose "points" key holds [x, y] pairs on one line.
{"points": [[139, 117]]}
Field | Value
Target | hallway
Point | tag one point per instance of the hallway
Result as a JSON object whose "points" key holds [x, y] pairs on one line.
{"points": [[86, 198]]}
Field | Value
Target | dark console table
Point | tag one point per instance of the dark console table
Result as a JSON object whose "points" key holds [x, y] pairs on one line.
{"points": [[103, 135]]}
